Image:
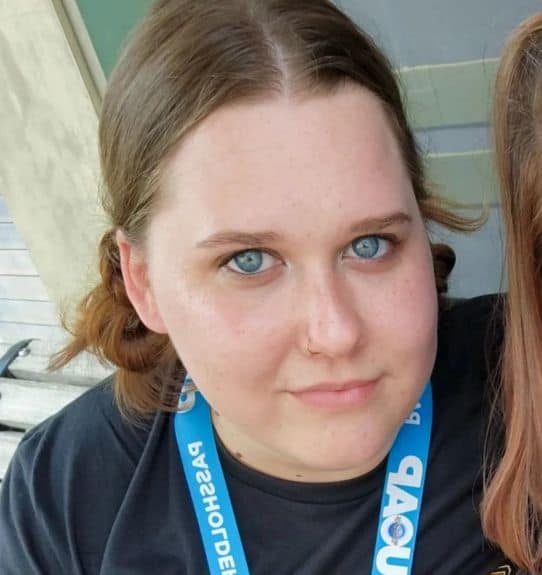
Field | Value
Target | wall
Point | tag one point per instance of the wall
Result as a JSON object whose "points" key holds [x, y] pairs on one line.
{"points": [[50, 172]]}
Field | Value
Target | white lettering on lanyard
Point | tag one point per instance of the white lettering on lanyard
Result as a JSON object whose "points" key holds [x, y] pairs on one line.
{"points": [[207, 491], [397, 529], [415, 418]]}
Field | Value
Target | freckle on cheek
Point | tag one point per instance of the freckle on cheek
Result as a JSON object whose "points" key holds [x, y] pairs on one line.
{"points": [[238, 455]]}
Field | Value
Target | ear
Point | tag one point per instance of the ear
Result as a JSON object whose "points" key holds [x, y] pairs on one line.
{"points": [[136, 282]]}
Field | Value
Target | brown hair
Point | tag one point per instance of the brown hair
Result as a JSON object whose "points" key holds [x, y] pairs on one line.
{"points": [[512, 506], [186, 59]]}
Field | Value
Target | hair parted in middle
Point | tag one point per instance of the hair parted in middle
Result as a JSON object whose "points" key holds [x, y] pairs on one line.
{"points": [[186, 59]]}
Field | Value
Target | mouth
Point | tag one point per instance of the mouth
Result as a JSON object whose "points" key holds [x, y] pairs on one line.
{"points": [[337, 395]]}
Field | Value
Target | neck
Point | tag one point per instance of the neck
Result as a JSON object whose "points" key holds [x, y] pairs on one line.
{"points": [[248, 451]]}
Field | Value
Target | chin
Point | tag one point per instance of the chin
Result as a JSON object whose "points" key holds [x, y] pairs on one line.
{"points": [[343, 466]]}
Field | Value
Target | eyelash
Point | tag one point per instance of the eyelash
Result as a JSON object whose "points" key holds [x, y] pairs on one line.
{"points": [[390, 238]]}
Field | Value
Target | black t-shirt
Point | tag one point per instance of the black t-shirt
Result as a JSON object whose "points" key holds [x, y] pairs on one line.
{"points": [[88, 492]]}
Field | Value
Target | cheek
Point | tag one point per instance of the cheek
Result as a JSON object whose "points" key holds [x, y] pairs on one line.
{"points": [[420, 314], [211, 327], [420, 317], [409, 313]]}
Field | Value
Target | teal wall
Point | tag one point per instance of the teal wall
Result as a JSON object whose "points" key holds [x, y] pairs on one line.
{"points": [[109, 23]]}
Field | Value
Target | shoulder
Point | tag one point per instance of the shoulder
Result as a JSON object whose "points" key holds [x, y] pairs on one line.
{"points": [[471, 330], [66, 482], [90, 424], [87, 447], [474, 316], [464, 386], [465, 377]]}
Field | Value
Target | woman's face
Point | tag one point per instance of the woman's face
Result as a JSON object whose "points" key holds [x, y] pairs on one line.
{"points": [[290, 266]]}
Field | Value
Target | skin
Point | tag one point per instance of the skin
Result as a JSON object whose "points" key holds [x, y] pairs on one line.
{"points": [[312, 175]]}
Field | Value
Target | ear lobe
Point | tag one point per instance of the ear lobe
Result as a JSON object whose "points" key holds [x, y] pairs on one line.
{"points": [[136, 282]]}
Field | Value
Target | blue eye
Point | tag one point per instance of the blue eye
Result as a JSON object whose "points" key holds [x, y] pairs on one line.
{"points": [[250, 262], [370, 247]]}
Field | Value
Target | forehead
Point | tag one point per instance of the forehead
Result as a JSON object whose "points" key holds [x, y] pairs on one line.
{"points": [[281, 158]]}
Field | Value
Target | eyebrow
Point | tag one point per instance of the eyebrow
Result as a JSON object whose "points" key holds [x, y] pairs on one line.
{"points": [[371, 225], [258, 239]]}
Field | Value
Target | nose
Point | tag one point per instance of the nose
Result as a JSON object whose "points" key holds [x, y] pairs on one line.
{"points": [[332, 325]]}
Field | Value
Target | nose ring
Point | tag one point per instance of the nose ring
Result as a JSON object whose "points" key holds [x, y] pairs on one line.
{"points": [[309, 350]]}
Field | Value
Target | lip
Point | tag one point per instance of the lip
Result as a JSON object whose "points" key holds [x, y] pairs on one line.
{"points": [[337, 395]]}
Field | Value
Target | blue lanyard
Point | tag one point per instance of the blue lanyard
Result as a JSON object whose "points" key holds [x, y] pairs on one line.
{"points": [[403, 491], [401, 498]]}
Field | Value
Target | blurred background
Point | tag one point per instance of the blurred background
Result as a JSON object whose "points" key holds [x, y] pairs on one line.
{"points": [[55, 56]]}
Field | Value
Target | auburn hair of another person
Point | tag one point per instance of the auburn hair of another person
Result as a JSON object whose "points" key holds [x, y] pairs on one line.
{"points": [[512, 506], [185, 60]]}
